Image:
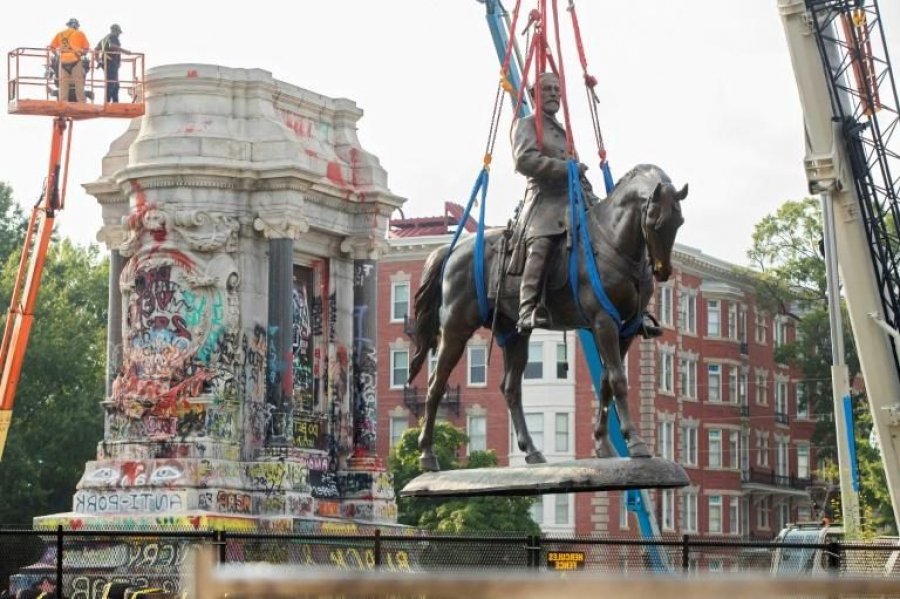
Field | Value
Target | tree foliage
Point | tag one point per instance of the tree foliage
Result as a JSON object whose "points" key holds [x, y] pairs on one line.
{"points": [[57, 418], [475, 514], [789, 275]]}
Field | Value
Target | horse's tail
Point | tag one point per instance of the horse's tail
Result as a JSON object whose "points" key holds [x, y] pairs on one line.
{"points": [[428, 307]]}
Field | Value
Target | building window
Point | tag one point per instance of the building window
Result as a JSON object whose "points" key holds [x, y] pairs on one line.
{"points": [[535, 423], [762, 513], [742, 388], [762, 389], [713, 319], [689, 513], [562, 362], [667, 440], [761, 325], [733, 373], [623, 510], [782, 514], [714, 379], [742, 324], [802, 461], [734, 515], [688, 374], [432, 362], [687, 312], [398, 425], [779, 326], [537, 510], [715, 513], [562, 432], [715, 448], [781, 459], [561, 509], [477, 431], [477, 365], [732, 321], [399, 368], [665, 305], [762, 444], [734, 449], [689, 445], [802, 401], [804, 513], [668, 509], [399, 300], [781, 400], [534, 369], [666, 376]]}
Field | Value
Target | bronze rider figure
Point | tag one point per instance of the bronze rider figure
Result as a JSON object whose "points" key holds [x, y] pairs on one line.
{"points": [[544, 221]]}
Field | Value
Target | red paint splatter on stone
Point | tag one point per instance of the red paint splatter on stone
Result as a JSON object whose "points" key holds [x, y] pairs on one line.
{"points": [[192, 74], [312, 153], [334, 174]]}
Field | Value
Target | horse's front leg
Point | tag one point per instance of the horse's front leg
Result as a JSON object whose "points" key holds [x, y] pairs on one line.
{"points": [[515, 357], [601, 433], [449, 351], [606, 335]]}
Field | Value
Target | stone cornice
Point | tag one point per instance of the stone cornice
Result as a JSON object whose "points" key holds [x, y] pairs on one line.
{"points": [[282, 226], [113, 236], [363, 247]]}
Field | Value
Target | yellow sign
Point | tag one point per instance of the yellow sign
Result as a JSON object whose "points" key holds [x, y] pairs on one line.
{"points": [[565, 560]]}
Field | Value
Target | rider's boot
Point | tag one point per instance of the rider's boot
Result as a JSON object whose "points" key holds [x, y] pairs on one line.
{"points": [[531, 314], [650, 328]]}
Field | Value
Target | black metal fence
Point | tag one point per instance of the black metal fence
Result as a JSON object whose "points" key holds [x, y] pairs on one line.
{"points": [[82, 562]]}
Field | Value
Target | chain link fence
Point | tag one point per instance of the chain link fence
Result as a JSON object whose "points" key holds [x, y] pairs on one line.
{"points": [[84, 562]]}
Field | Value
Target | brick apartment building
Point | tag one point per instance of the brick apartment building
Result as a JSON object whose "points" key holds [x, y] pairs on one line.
{"points": [[708, 394]]}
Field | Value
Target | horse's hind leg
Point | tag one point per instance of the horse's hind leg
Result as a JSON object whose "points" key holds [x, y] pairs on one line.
{"points": [[449, 351], [515, 357]]}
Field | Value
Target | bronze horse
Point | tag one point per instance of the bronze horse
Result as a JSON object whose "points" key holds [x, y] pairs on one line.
{"points": [[632, 231]]}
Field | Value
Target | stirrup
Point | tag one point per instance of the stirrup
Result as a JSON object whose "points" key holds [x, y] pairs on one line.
{"points": [[539, 318]]}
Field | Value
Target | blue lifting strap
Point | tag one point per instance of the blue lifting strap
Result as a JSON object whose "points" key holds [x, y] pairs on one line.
{"points": [[481, 184], [581, 238]]}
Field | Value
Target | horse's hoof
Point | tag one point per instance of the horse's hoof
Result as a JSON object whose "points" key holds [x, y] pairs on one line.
{"points": [[639, 449], [535, 457], [429, 463], [604, 450]]}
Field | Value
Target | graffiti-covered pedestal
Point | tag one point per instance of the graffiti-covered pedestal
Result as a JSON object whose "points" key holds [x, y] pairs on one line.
{"points": [[242, 217]]}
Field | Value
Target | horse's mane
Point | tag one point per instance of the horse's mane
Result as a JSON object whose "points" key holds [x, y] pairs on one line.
{"points": [[643, 169]]}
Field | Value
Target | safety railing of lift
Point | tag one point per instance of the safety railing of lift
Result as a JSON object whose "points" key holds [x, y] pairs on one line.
{"points": [[32, 76]]}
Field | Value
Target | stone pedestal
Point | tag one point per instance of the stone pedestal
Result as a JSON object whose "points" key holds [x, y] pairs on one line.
{"points": [[226, 408]]}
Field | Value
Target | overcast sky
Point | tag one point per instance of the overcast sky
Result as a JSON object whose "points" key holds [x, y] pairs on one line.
{"points": [[702, 88]]}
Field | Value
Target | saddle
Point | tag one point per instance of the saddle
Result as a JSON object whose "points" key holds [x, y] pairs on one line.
{"points": [[504, 278]]}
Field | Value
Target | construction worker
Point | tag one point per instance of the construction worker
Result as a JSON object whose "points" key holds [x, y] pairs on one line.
{"points": [[70, 46], [109, 56]]}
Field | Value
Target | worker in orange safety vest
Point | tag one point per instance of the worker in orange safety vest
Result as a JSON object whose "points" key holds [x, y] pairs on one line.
{"points": [[70, 45]]}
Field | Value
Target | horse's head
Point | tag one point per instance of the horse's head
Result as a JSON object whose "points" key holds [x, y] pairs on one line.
{"points": [[660, 222]]}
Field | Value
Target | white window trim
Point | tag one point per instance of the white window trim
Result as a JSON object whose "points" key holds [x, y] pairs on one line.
{"points": [[393, 353], [394, 285], [469, 349]]}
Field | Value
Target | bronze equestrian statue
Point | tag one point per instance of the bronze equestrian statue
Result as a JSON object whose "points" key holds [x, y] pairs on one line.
{"points": [[632, 232]]}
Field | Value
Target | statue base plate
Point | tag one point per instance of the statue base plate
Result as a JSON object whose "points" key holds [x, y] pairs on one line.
{"points": [[596, 474]]}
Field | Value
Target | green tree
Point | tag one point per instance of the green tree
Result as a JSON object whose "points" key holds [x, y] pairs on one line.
{"points": [[475, 514], [789, 275], [57, 418]]}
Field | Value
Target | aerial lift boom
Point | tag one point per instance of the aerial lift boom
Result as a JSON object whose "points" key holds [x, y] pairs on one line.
{"points": [[31, 265], [849, 104]]}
